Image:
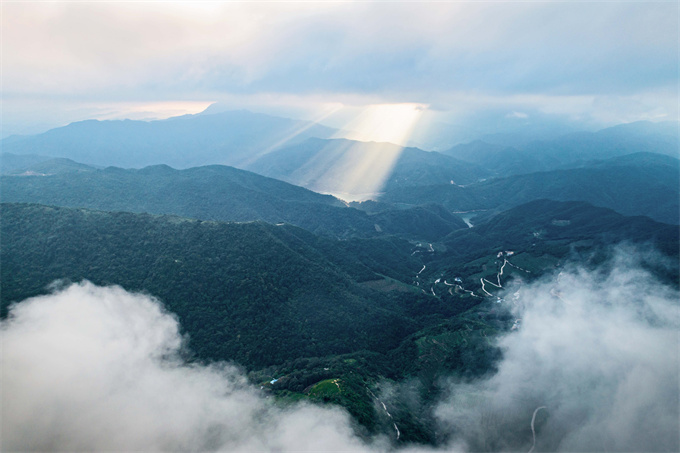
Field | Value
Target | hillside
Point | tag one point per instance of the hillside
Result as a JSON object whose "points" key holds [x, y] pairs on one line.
{"points": [[547, 220], [495, 258], [638, 184], [499, 159], [27, 165], [11, 163], [216, 193], [251, 292]]}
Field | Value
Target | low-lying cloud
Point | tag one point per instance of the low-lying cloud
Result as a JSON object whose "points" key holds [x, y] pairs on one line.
{"points": [[99, 368], [597, 350], [93, 369]]}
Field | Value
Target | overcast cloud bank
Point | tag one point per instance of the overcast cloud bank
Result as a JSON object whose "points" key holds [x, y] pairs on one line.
{"points": [[595, 63]]}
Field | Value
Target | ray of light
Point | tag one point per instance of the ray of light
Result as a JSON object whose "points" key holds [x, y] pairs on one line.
{"points": [[325, 168], [362, 169], [392, 123], [328, 110]]}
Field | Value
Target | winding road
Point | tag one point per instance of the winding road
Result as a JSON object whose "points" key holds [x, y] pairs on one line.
{"points": [[396, 428], [533, 431]]}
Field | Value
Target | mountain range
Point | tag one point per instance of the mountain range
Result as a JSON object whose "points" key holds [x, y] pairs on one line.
{"points": [[215, 192], [636, 184], [231, 138], [304, 308]]}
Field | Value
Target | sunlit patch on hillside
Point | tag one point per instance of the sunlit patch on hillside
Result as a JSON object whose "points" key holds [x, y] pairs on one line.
{"points": [[360, 172], [352, 171]]}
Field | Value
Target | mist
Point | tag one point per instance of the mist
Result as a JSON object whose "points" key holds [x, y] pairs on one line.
{"points": [[100, 368], [597, 351], [92, 368]]}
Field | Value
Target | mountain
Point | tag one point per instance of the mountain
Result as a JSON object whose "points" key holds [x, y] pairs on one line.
{"points": [[499, 159], [548, 220], [299, 310], [496, 257], [218, 193], [643, 136], [251, 292], [571, 150], [13, 164], [425, 221], [231, 138], [327, 165], [637, 184]]}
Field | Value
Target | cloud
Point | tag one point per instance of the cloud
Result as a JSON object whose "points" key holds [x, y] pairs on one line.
{"points": [[430, 53], [423, 49], [598, 350], [99, 368], [91, 368]]}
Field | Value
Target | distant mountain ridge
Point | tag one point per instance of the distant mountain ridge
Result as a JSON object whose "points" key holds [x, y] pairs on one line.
{"points": [[637, 184], [302, 153], [230, 138], [571, 150]]}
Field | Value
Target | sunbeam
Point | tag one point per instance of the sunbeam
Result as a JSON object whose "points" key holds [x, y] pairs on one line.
{"points": [[328, 110], [359, 170], [392, 123]]}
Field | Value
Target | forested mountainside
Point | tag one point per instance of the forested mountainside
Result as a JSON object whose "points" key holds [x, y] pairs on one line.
{"points": [[304, 310], [216, 193], [258, 294], [638, 184]]}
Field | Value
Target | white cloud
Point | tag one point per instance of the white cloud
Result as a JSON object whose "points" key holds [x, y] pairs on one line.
{"points": [[91, 369], [599, 350]]}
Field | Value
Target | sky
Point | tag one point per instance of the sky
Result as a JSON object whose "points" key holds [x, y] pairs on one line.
{"points": [[494, 64]]}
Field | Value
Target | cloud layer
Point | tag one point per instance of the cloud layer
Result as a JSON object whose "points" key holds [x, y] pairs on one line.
{"points": [[98, 368], [284, 47], [609, 61]]}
